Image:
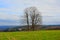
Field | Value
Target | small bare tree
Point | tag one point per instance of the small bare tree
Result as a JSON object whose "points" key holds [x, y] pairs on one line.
{"points": [[27, 17], [33, 17]]}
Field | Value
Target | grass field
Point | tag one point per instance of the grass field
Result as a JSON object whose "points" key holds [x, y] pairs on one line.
{"points": [[31, 35]]}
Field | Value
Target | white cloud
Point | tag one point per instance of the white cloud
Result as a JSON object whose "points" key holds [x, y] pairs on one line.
{"points": [[4, 23], [8, 16], [51, 1], [16, 8], [43, 5]]}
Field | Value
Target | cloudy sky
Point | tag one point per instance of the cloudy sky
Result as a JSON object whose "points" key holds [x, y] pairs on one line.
{"points": [[12, 10]]}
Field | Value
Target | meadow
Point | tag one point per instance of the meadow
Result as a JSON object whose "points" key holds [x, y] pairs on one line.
{"points": [[31, 35]]}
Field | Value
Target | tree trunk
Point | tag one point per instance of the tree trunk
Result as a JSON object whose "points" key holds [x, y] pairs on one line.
{"points": [[27, 22]]}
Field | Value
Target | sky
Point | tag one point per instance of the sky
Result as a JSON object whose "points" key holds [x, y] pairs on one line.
{"points": [[11, 11]]}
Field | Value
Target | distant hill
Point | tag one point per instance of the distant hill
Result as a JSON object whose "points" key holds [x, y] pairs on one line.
{"points": [[38, 27], [52, 27], [5, 27]]}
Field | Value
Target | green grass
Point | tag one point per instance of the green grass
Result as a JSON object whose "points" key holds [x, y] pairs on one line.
{"points": [[31, 35]]}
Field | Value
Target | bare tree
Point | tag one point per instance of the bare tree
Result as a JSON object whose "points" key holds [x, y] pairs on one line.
{"points": [[27, 17], [33, 16]]}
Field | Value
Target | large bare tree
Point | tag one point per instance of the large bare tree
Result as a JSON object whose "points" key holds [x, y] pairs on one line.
{"points": [[33, 17]]}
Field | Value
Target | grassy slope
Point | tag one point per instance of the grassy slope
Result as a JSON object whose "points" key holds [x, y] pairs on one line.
{"points": [[36, 35]]}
